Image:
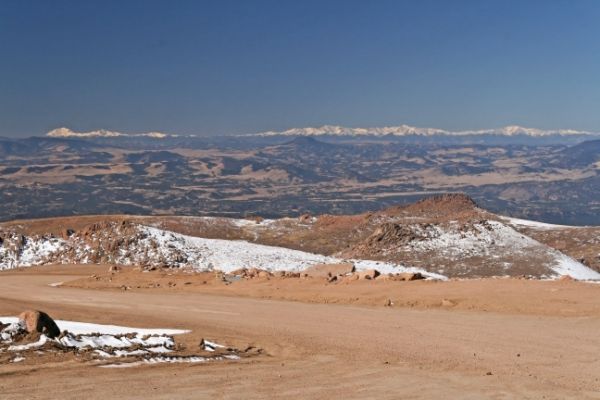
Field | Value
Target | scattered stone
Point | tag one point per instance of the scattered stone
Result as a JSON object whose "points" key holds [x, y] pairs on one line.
{"points": [[389, 303], [410, 276], [114, 268], [329, 270], [264, 274], [67, 233], [368, 274], [239, 272], [39, 321], [305, 218]]}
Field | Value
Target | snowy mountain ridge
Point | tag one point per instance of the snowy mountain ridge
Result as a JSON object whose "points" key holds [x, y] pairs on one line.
{"points": [[66, 133], [407, 130], [337, 130]]}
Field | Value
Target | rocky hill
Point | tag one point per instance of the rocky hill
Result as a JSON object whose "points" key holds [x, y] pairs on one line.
{"points": [[445, 235]]}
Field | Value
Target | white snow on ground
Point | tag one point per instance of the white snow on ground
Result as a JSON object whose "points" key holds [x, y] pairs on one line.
{"points": [[83, 335], [388, 268], [242, 223], [85, 328], [485, 239], [536, 224], [33, 252], [157, 245], [14, 328], [568, 266], [111, 341], [42, 341], [153, 245], [167, 359], [453, 242], [229, 255], [210, 346]]}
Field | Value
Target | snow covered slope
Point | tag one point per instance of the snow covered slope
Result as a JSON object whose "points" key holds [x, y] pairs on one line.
{"points": [[143, 245], [536, 224], [470, 249]]}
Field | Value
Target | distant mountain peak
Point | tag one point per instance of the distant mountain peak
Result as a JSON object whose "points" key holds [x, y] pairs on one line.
{"points": [[407, 130], [66, 132]]}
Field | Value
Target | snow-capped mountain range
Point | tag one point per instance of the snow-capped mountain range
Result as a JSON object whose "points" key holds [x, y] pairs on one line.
{"points": [[337, 130], [66, 132], [407, 130]]}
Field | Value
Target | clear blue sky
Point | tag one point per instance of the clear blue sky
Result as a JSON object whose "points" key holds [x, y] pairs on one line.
{"points": [[215, 67]]}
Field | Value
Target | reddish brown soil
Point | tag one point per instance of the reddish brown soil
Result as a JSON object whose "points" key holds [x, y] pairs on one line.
{"points": [[518, 339]]}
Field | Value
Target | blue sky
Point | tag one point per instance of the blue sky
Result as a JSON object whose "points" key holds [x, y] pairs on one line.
{"points": [[218, 67]]}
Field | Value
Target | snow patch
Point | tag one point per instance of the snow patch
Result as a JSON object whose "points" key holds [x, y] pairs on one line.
{"points": [[86, 328], [229, 255], [143, 346], [537, 225], [42, 341], [567, 266], [488, 239]]}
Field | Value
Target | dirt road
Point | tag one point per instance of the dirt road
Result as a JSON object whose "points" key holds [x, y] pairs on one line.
{"points": [[317, 351]]}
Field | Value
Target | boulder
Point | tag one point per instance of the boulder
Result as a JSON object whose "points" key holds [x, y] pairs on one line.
{"points": [[368, 274], [67, 233], [410, 276], [240, 272], [39, 321], [329, 270], [264, 274], [305, 218]]}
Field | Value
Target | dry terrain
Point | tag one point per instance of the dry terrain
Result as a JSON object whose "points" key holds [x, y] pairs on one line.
{"points": [[288, 176], [490, 338]]}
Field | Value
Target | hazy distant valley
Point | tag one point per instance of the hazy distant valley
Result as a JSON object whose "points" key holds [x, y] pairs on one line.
{"points": [[282, 175]]}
